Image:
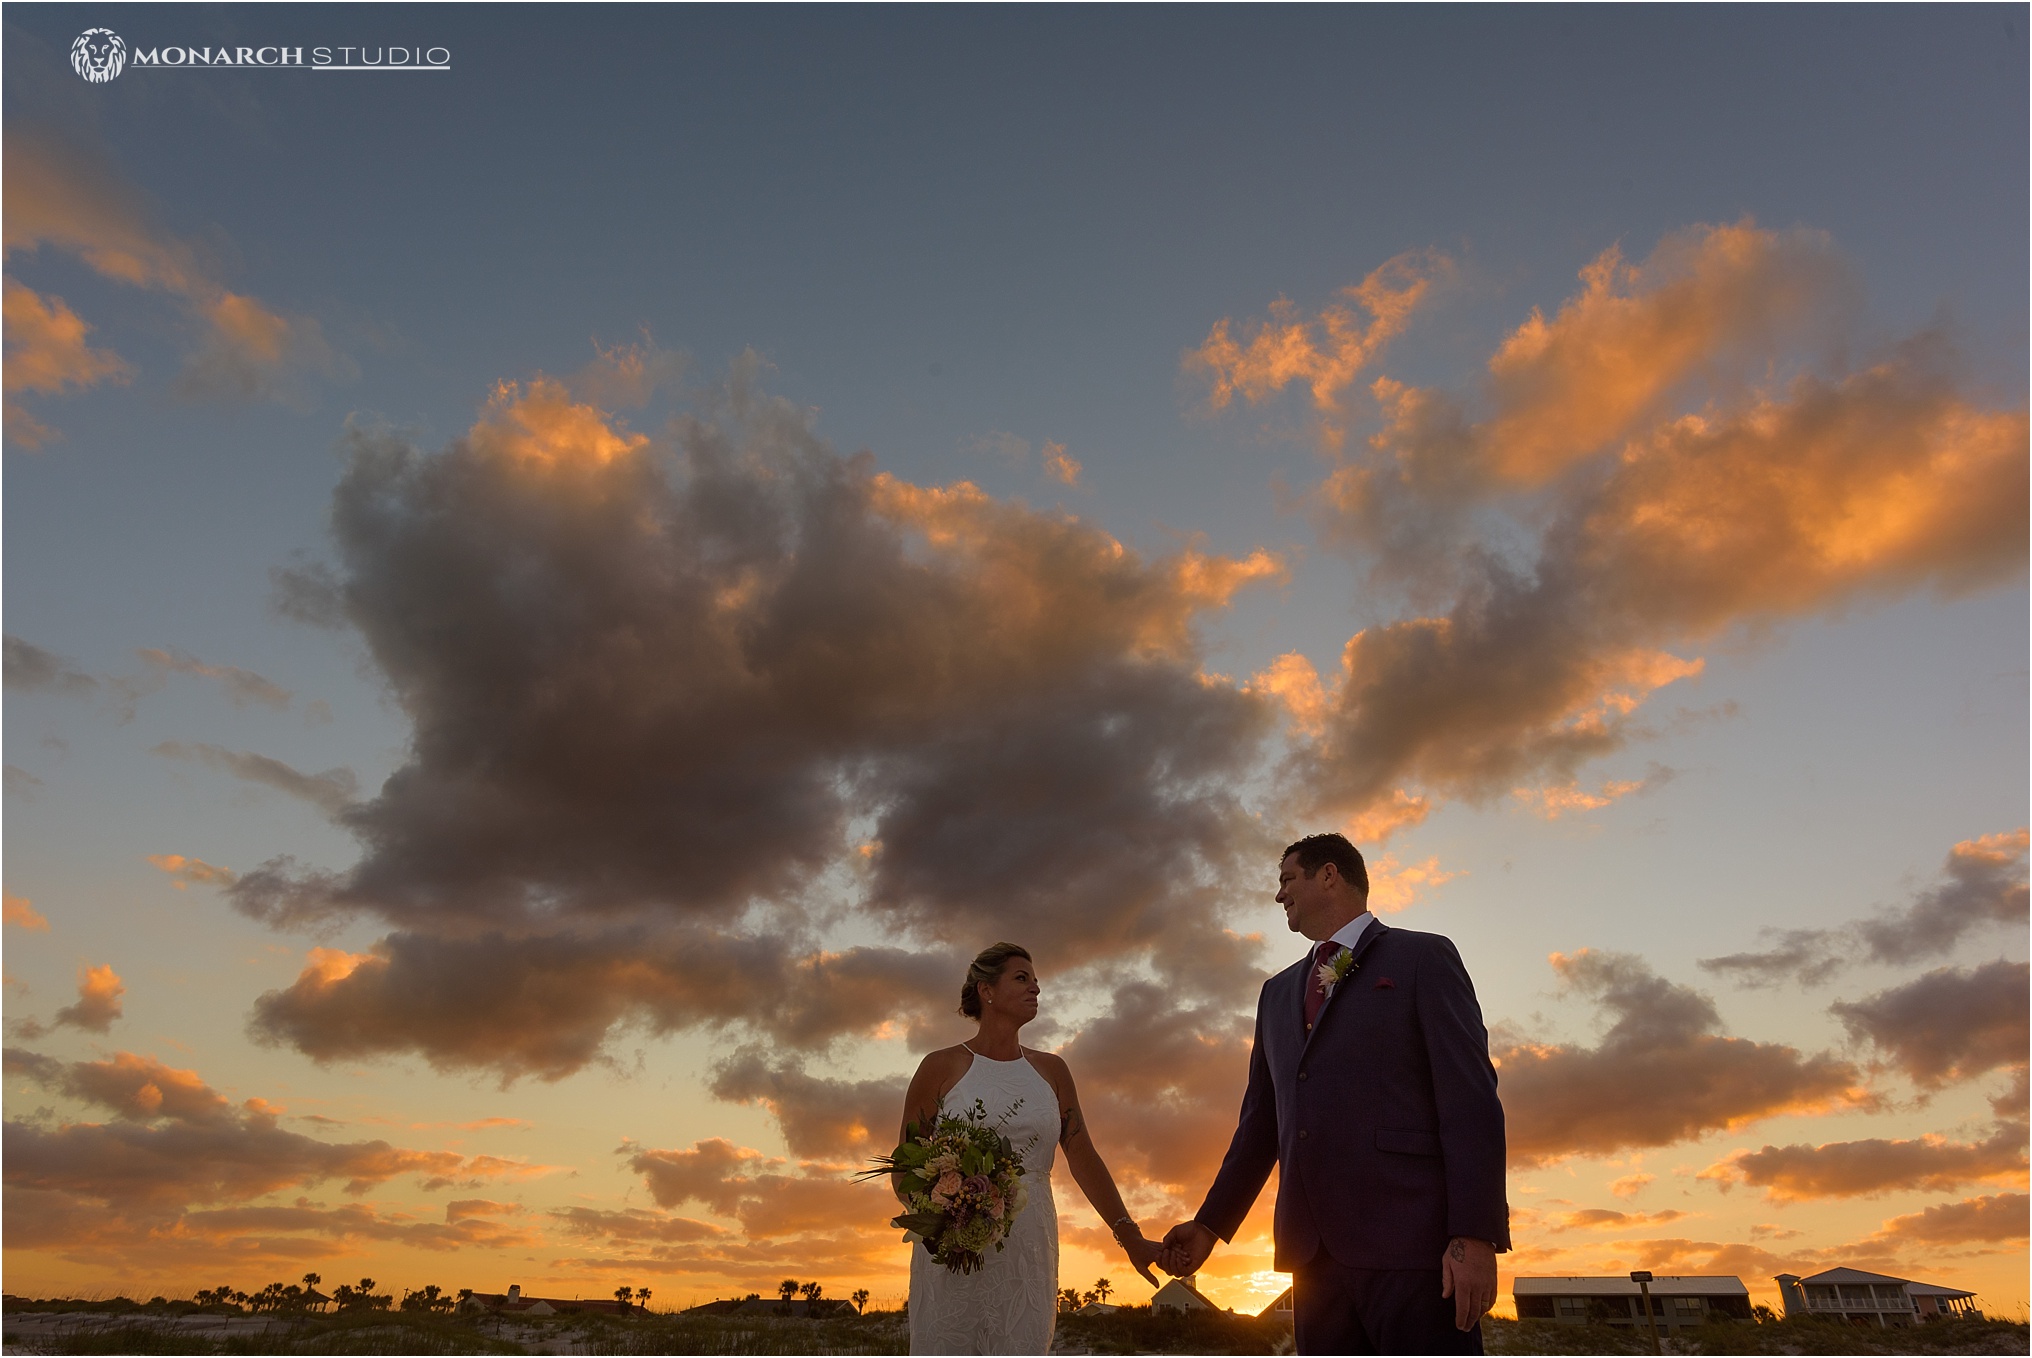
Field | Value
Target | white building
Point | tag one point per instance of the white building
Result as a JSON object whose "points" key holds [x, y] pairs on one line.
{"points": [[1677, 1301], [1872, 1298]]}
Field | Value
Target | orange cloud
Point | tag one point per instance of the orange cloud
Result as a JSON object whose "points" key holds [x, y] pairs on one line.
{"points": [[1876, 484], [99, 992], [541, 427], [1384, 819], [22, 915], [1554, 802], [183, 871], [1060, 467], [1393, 886], [1292, 681], [66, 198], [1719, 493], [1324, 354], [1603, 1218], [132, 1087], [1881, 483], [1630, 1185], [46, 352], [1566, 387], [63, 196]]}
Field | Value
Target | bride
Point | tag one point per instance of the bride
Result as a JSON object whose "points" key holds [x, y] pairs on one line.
{"points": [[1010, 1304]]}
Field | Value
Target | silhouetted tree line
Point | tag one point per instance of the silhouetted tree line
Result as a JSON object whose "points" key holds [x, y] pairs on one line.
{"points": [[359, 1296], [1069, 1300]]}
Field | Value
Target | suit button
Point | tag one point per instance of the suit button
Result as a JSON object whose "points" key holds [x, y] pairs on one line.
{"points": [[1301, 1133], [1301, 1075]]}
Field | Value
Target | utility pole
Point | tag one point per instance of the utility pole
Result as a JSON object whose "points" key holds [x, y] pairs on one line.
{"points": [[1643, 1281]]}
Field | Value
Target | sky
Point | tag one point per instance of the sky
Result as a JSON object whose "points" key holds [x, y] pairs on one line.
{"points": [[553, 603]]}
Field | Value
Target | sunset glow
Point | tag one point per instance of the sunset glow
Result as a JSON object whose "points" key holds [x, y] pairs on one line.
{"points": [[554, 605]]}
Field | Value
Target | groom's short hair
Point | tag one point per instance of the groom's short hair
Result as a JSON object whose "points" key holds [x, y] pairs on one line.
{"points": [[1314, 851]]}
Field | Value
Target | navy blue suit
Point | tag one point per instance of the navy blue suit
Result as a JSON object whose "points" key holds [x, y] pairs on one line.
{"points": [[1383, 1121]]}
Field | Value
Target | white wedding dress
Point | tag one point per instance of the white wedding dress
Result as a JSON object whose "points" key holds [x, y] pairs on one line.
{"points": [[1010, 1303]]}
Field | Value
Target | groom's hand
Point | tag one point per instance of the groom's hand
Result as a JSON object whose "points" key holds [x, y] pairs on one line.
{"points": [[1186, 1247], [1468, 1273]]}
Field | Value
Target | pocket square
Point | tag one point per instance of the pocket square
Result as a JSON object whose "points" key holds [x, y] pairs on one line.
{"points": [[1385, 983]]}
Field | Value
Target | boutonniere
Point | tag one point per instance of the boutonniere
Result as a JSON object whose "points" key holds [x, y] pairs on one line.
{"points": [[1333, 973]]}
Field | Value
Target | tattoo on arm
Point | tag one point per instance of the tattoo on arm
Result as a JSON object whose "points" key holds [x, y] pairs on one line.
{"points": [[1069, 1124], [1459, 1250]]}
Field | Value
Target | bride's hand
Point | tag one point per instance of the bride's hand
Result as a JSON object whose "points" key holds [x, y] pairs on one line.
{"points": [[1142, 1253]]}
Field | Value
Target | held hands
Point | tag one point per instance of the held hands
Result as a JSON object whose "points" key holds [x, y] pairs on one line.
{"points": [[1142, 1252], [1187, 1245], [1468, 1274]]}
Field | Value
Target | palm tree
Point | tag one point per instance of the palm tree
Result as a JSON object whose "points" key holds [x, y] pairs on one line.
{"points": [[787, 1288], [622, 1294], [811, 1291], [312, 1280], [642, 1297], [1102, 1287], [1068, 1300], [860, 1300]]}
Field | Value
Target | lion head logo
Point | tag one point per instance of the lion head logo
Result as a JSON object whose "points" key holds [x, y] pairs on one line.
{"points": [[99, 54]]}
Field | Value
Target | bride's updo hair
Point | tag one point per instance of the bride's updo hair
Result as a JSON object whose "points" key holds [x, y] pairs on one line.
{"points": [[984, 970]]}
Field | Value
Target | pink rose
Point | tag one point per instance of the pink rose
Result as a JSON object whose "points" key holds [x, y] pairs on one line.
{"points": [[948, 1183]]}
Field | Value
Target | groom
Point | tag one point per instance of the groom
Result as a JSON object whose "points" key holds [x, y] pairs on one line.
{"points": [[1371, 1091]]}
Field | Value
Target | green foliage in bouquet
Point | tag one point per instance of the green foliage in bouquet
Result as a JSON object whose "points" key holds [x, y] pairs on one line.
{"points": [[963, 1184]]}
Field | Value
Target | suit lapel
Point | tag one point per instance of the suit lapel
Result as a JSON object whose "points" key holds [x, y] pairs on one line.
{"points": [[1361, 950]]}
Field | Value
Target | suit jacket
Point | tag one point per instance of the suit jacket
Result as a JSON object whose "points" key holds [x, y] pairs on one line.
{"points": [[1383, 1122]]}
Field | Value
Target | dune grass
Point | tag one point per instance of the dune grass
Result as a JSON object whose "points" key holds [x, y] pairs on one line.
{"points": [[118, 1326]]}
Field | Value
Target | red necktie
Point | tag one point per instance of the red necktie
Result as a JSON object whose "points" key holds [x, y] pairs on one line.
{"points": [[1315, 994]]}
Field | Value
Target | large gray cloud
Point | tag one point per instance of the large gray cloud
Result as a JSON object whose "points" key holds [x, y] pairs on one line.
{"points": [[1951, 1024], [658, 686]]}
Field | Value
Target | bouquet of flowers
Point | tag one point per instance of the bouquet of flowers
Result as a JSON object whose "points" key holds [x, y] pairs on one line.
{"points": [[963, 1183]]}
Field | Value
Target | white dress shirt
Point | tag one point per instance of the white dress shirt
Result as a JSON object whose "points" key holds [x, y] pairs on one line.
{"points": [[1349, 934]]}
